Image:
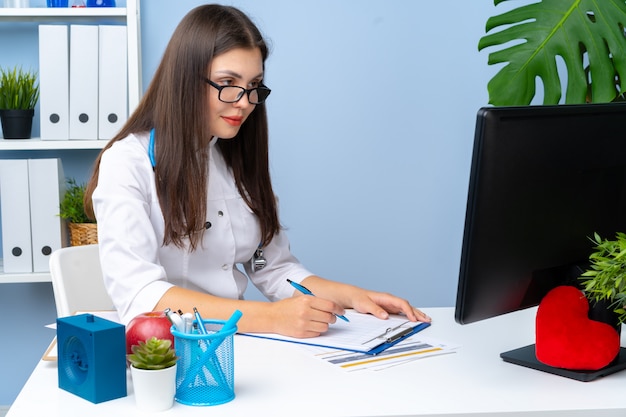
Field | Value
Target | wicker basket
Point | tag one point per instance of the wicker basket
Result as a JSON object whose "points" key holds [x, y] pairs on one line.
{"points": [[83, 233]]}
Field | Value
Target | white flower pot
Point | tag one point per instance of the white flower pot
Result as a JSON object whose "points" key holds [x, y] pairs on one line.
{"points": [[154, 389]]}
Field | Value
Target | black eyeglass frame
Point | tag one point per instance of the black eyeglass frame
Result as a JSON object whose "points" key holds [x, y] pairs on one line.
{"points": [[244, 91]]}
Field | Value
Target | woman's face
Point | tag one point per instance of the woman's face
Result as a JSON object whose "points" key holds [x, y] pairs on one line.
{"points": [[238, 67]]}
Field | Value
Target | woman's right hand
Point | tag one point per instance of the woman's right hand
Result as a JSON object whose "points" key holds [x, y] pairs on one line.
{"points": [[304, 315]]}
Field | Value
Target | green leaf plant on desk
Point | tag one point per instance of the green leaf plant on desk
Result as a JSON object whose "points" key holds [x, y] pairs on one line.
{"points": [[19, 93], [588, 35], [605, 280], [153, 371]]}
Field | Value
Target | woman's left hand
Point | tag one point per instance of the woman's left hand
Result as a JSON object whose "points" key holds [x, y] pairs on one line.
{"points": [[379, 304], [382, 304]]}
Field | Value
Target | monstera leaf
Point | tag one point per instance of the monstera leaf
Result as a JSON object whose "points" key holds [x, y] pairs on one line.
{"points": [[587, 34]]}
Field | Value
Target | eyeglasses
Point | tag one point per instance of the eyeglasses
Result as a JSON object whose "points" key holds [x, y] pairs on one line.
{"points": [[233, 93]]}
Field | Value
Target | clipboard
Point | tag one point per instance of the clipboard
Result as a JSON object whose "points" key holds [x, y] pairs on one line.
{"points": [[364, 333]]}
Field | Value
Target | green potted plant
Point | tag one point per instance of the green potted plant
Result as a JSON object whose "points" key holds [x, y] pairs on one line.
{"points": [[83, 230], [605, 280], [153, 370], [153, 354], [587, 35], [19, 93]]}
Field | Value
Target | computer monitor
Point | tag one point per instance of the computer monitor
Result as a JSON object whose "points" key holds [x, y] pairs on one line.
{"points": [[543, 179]]}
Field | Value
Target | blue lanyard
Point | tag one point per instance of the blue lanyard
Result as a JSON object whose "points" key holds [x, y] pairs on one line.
{"points": [[151, 149]]}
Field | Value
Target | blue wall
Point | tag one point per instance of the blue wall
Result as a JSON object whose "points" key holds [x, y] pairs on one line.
{"points": [[372, 117]]}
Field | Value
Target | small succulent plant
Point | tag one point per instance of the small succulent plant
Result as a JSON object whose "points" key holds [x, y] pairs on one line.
{"points": [[153, 354]]}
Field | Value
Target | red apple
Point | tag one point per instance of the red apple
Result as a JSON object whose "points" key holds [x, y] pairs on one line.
{"points": [[146, 325]]}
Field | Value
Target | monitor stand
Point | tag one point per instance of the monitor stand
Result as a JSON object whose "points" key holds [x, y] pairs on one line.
{"points": [[525, 356]]}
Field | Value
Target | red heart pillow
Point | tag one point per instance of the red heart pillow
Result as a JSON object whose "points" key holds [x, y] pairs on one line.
{"points": [[567, 338]]}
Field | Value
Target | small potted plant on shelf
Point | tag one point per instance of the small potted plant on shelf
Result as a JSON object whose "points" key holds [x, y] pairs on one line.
{"points": [[605, 280], [19, 93], [83, 230], [153, 371]]}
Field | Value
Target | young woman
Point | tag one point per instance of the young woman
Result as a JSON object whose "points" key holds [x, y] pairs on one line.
{"points": [[184, 200]]}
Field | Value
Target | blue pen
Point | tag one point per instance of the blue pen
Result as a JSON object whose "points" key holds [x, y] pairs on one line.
{"points": [[200, 322], [305, 290]]}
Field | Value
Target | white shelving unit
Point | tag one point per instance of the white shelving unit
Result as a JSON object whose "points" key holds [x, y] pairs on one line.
{"points": [[130, 16]]}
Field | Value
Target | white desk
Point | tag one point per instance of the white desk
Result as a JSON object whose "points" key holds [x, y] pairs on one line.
{"points": [[282, 379]]}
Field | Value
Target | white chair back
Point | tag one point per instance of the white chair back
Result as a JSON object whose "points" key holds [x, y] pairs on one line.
{"points": [[77, 280]]}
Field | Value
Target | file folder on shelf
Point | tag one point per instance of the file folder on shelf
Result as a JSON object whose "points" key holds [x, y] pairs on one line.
{"points": [[47, 186], [54, 82], [15, 213], [83, 82], [113, 84]]}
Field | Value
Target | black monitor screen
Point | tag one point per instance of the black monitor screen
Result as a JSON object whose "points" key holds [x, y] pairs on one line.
{"points": [[543, 180]]}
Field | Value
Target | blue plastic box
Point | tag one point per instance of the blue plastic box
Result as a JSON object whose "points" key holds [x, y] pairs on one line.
{"points": [[91, 357]]}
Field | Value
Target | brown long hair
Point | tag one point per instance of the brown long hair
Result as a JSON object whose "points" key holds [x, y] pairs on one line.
{"points": [[175, 105]]}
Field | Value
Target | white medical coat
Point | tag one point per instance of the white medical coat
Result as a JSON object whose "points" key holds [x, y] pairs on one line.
{"points": [[138, 269]]}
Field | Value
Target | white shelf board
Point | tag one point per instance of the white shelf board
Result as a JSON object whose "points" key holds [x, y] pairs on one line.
{"points": [[24, 278], [44, 13], [34, 144]]}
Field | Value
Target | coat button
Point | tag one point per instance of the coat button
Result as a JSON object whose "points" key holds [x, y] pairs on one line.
{"points": [[220, 213], [225, 267]]}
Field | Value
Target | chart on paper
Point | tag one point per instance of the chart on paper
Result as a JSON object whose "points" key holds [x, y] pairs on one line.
{"points": [[408, 350]]}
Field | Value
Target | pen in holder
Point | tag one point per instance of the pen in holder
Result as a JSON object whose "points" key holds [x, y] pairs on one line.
{"points": [[205, 373]]}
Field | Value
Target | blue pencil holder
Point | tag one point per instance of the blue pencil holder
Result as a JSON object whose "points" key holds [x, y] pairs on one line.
{"points": [[205, 374]]}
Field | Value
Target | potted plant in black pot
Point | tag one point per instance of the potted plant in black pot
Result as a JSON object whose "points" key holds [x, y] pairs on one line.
{"points": [[19, 92], [587, 36], [604, 282], [83, 230]]}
